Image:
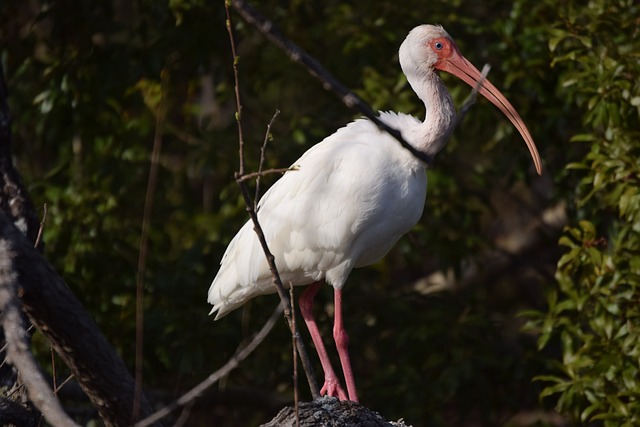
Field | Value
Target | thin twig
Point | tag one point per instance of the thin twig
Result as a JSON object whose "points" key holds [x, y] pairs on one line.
{"points": [[144, 240], [277, 282], [295, 356], [471, 98], [184, 415], [237, 90], [63, 383], [41, 228], [53, 368], [231, 364], [329, 82], [284, 299], [251, 175], [262, 159]]}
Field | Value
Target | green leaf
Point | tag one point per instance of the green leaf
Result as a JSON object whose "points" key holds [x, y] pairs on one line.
{"points": [[586, 413], [584, 137], [620, 407]]}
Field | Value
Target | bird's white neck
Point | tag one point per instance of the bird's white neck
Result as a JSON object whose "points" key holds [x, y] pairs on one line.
{"points": [[440, 114]]}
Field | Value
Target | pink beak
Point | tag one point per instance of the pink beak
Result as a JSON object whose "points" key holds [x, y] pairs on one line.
{"points": [[457, 65]]}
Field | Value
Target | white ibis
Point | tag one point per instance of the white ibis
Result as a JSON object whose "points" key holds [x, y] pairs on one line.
{"points": [[351, 197]]}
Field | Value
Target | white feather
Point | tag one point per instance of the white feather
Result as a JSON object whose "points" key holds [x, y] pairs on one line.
{"points": [[351, 197]]}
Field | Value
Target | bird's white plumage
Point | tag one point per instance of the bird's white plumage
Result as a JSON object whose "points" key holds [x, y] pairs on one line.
{"points": [[351, 197]]}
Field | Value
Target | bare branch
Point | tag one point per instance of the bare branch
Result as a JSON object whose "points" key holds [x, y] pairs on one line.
{"points": [[277, 282], [249, 176], [18, 352], [237, 91], [233, 363], [144, 239], [52, 307], [329, 82], [262, 159], [295, 358], [184, 415], [471, 98], [41, 228], [53, 368], [63, 383]]}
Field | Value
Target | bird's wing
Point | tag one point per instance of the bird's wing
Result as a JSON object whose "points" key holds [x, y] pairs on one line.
{"points": [[313, 216]]}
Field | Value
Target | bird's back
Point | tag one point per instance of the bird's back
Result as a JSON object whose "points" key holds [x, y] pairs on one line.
{"points": [[351, 197]]}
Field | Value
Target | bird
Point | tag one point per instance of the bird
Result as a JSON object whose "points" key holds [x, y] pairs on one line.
{"points": [[348, 199]]}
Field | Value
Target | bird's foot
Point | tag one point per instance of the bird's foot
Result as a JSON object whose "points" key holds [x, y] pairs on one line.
{"points": [[332, 388]]}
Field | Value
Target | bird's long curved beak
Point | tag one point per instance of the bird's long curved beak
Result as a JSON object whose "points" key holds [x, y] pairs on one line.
{"points": [[457, 65]]}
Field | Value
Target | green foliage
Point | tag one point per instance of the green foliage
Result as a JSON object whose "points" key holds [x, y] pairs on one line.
{"points": [[594, 311]]}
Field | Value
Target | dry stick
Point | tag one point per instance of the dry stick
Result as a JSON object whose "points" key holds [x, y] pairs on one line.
{"points": [[262, 158], [144, 243], [236, 58], [53, 369], [41, 228], [299, 56], [233, 363], [18, 349], [277, 282], [63, 383], [184, 415], [295, 358], [252, 175], [471, 98]]}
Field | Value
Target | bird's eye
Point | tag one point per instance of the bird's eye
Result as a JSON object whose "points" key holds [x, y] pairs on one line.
{"points": [[439, 45]]}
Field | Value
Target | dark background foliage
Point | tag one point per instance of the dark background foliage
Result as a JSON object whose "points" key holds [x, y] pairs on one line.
{"points": [[436, 328]]}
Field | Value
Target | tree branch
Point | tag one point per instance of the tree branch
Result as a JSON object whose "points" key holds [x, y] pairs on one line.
{"points": [[256, 175], [471, 98], [249, 204], [54, 309], [18, 352], [141, 272], [261, 172], [329, 82]]}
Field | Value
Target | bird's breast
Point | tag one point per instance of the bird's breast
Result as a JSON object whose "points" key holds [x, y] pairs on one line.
{"points": [[367, 193], [399, 207]]}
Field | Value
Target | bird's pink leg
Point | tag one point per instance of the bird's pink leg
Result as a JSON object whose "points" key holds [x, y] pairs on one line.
{"points": [[331, 385], [342, 342]]}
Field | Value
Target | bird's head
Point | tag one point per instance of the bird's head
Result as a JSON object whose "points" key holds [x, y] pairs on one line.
{"points": [[418, 53], [429, 47]]}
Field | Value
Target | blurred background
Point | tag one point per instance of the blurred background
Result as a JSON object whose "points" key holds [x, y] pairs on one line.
{"points": [[514, 301]]}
